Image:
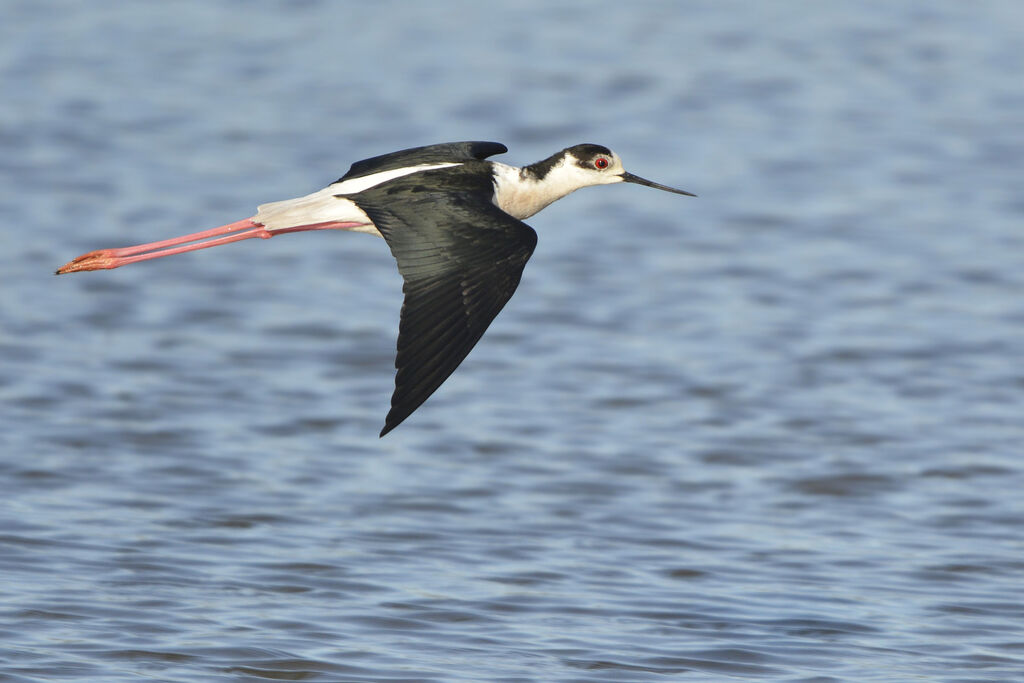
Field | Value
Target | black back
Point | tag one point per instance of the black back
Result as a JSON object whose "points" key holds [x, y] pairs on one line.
{"points": [[461, 258], [447, 152]]}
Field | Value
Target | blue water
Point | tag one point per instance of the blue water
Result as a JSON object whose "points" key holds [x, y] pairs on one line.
{"points": [[771, 433]]}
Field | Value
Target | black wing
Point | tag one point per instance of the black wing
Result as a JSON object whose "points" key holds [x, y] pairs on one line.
{"points": [[431, 154], [461, 258]]}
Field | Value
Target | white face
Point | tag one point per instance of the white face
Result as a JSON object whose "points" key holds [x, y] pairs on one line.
{"points": [[596, 169], [600, 168]]}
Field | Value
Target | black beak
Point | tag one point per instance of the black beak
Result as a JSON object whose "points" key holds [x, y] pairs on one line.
{"points": [[630, 178]]}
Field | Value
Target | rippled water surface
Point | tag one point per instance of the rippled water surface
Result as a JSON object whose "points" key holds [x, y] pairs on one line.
{"points": [[772, 433]]}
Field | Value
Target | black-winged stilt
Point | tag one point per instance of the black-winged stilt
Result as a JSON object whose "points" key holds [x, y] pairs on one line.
{"points": [[454, 224]]}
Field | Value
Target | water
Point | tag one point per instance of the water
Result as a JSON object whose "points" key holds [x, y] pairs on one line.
{"points": [[771, 433]]}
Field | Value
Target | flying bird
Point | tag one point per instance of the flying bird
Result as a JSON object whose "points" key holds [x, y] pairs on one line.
{"points": [[453, 222]]}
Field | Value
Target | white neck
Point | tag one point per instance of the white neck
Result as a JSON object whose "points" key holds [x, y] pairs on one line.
{"points": [[521, 195]]}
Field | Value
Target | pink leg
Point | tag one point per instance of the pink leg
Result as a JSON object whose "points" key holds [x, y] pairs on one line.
{"points": [[242, 230], [194, 237]]}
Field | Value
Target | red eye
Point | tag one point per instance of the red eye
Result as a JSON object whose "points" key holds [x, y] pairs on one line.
{"points": [[600, 163]]}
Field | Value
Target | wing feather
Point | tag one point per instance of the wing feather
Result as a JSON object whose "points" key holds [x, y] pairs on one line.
{"points": [[431, 154], [461, 259]]}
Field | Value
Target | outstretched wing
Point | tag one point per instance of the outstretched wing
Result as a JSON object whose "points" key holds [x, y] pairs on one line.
{"points": [[461, 259], [453, 152]]}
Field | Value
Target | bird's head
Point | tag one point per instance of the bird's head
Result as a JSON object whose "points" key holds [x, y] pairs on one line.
{"points": [[588, 164]]}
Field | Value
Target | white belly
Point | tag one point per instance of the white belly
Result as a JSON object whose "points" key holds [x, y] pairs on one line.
{"points": [[324, 206], [319, 207]]}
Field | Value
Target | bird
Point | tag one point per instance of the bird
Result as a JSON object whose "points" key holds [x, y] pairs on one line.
{"points": [[453, 221]]}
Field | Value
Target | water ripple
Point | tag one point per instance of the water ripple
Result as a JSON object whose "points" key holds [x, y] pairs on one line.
{"points": [[771, 433]]}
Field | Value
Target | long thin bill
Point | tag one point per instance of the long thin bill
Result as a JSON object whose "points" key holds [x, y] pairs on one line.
{"points": [[104, 259], [630, 178]]}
